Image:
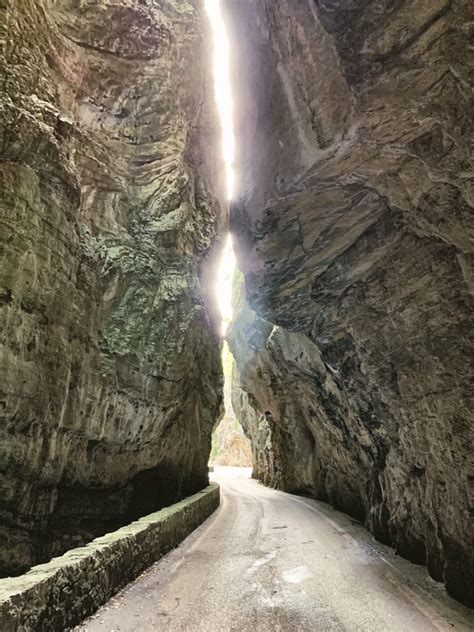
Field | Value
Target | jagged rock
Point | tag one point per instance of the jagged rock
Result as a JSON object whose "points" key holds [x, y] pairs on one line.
{"points": [[354, 228], [110, 369]]}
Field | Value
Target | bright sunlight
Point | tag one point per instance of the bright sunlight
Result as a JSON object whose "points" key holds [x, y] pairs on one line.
{"points": [[223, 95], [224, 284], [222, 88]]}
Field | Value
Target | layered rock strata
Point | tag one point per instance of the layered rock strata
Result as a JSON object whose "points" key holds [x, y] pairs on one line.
{"points": [[110, 375], [354, 229]]}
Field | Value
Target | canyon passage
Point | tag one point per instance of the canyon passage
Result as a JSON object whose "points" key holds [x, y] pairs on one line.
{"points": [[332, 139]]}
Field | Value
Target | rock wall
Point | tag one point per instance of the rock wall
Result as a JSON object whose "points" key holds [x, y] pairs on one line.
{"points": [[110, 375], [353, 226]]}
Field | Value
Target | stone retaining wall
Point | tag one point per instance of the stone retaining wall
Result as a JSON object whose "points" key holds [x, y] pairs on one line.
{"points": [[60, 594]]}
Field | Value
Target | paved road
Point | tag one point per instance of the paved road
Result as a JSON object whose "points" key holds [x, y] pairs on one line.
{"points": [[269, 561]]}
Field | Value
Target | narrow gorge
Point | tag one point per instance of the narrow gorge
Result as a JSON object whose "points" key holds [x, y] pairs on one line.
{"points": [[345, 149]]}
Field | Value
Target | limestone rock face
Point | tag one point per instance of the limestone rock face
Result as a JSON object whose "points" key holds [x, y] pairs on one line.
{"points": [[110, 375], [354, 230]]}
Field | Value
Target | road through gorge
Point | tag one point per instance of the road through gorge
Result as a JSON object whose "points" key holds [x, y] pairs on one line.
{"points": [[271, 561]]}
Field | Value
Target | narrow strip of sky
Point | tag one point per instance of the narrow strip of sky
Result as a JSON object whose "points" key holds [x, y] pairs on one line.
{"points": [[222, 87]]}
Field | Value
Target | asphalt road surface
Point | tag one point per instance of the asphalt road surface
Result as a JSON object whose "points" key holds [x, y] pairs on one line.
{"points": [[270, 561]]}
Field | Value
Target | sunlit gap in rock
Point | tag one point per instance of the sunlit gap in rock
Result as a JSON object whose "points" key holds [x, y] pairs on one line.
{"points": [[225, 275], [223, 96], [222, 87], [229, 445]]}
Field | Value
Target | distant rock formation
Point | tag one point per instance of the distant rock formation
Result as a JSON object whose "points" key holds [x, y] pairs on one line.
{"points": [[230, 445]]}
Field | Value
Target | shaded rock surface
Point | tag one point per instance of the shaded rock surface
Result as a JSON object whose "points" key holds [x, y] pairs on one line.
{"points": [[353, 227], [111, 379]]}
